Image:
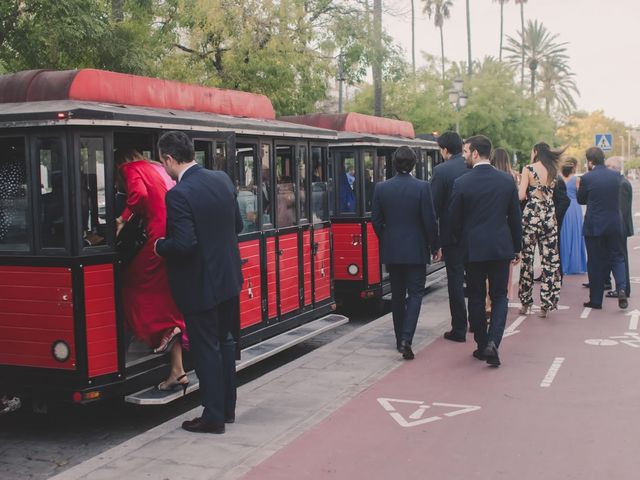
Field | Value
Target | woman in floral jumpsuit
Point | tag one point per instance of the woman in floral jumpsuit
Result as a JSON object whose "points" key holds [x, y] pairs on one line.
{"points": [[539, 227]]}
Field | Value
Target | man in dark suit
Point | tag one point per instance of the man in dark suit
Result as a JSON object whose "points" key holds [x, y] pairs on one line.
{"points": [[485, 217], [203, 262], [626, 200], [405, 223], [442, 180], [602, 229]]}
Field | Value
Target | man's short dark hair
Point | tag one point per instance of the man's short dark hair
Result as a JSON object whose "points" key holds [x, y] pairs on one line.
{"points": [[595, 155], [451, 141], [480, 144], [404, 159], [178, 145]]}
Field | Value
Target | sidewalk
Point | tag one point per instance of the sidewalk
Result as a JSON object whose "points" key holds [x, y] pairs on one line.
{"points": [[273, 410]]}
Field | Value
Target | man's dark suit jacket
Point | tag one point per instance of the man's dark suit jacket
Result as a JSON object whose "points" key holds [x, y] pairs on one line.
{"points": [[600, 191], [404, 220], [441, 189], [201, 248], [561, 200], [485, 215], [626, 198]]}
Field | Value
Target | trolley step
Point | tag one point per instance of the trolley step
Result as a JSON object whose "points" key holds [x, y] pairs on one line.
{"points": [[250, 356]]}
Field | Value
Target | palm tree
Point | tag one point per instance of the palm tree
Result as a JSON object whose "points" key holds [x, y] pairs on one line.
{"points": [[558, 86], [439, 10], [539, 45], [470, 60], [521, 3], [501, 2]]}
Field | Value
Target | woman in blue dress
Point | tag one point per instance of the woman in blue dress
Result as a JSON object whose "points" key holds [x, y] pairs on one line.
{"points": [[573, 254]]}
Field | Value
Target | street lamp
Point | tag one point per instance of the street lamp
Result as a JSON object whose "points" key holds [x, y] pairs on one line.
{"points": [[457, 99]]}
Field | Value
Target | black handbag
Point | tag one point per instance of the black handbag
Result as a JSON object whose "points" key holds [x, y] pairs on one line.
{"points": [[131, 239]]}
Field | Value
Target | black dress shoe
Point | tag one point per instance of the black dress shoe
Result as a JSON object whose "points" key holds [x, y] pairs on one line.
{"points": [[454, 337], [622, 299], [230, 420], [479, 354], [405, 349], [538, 278], [585, 285], [592, 305], [198, 425], [491, 354]]}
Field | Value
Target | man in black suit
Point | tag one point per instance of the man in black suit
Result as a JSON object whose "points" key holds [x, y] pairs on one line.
{"points": [[626, 200], [203, 262], [602, 229], [405, 223], [485, 217], [442, 180]]}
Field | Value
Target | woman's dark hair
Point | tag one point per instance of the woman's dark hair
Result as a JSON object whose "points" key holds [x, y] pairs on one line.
{"points": [[178, 145], [404, 159], [549, 158], [500, 160], [569, 166]]}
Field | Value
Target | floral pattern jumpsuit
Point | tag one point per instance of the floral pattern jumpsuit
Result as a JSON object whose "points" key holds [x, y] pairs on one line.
{"points": [[539, 227]]}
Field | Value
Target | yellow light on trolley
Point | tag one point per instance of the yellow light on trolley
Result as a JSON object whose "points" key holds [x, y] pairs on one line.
{"points": [[91, 395]]}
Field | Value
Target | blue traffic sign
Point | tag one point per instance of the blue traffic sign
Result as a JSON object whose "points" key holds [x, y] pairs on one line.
{"points": [[604, 141]]}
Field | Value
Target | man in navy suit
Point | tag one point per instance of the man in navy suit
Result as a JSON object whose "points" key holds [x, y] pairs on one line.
{"points": [[405, 223], [203, 262], [602, 228], [485, 217], [442, 180]]}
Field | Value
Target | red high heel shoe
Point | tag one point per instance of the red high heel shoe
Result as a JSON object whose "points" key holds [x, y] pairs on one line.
{"points": [[170, 337]]}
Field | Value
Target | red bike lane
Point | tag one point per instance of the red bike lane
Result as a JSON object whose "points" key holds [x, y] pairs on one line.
{"points": [[564, 405]]}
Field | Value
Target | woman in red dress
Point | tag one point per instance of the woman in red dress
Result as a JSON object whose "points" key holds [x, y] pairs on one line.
{"points": [[149, 309]]}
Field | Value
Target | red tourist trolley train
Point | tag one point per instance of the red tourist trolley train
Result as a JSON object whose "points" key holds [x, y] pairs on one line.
{"points": [[63, 335], [360, 158]]}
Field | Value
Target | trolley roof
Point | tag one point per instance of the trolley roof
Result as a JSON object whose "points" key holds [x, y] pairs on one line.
{"points": [[356, 123], [119, 88]]}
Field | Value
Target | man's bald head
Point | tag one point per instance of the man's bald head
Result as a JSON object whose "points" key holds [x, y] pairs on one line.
{"points": [[614, 163]]}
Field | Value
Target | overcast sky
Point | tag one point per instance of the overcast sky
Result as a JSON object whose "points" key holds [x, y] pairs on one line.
{"points": [[604, 42]]}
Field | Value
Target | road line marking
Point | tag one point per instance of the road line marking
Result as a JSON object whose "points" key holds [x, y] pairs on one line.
{"points": [[585, 313], [511, 329], [552, 372], [633, 322]]}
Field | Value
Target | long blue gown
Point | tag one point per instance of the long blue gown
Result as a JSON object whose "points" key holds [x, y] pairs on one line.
{"points": [[573, 254]]}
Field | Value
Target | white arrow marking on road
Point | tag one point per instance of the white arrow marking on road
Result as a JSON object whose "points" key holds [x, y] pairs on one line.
{"points": [[511, 329], [416, 417], [633, 323], [585, 313], [636, 248]]}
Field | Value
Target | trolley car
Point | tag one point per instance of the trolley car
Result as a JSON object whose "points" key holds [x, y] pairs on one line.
{"points": [[63, 333], [360, 158]]}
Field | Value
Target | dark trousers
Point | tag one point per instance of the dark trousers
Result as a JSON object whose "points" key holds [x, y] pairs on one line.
{"points": [[625, 252], [497, 272], [454, 263], [604, 251], [213, 354], [407, 290]]}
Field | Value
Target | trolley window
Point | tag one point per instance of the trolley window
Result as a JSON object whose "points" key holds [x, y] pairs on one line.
{"points": [[367, 159], [286, 195], [303, 199], [345, 181], [247, 192], [319, 190], [51, 198], [93, 198], [266, 187], [14, 194]]}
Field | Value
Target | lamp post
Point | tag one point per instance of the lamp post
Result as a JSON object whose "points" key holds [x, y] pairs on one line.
{"points": [[457, 99]]}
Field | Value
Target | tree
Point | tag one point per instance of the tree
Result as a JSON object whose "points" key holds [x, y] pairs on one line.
{"points": [[439, 10], [521, 3], [501, 2], [539, 45], [558, 87]]}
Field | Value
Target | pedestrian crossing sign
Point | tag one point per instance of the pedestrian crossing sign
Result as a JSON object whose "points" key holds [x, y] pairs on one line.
{"points": [[604, 141]]}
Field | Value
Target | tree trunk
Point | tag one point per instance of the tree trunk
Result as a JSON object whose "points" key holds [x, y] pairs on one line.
{"points": [[442, 52], [501, 28], [522, 42], [377, 61], [413, 36], [469, 39]]}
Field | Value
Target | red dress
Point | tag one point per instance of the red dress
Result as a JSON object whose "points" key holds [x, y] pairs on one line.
{"points": [[148, 305]]}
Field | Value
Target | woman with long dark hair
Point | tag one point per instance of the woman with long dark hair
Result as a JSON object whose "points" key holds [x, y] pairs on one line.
{"points": [[539, 227]]}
